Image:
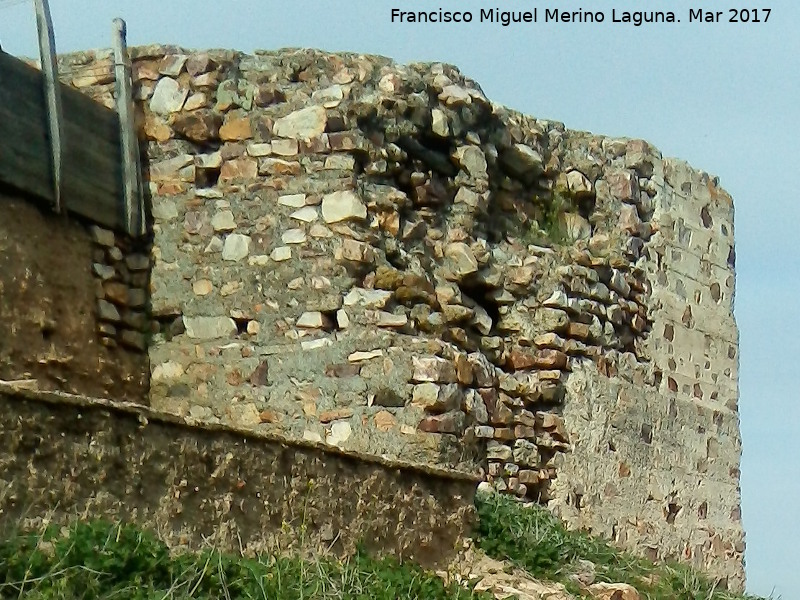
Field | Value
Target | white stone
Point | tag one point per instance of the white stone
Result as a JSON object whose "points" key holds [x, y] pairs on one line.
{"points": [[170, 168], [307, 214], [342, 320], [223, 221], [259, 260], [208, 193], [578, 183], [343, 162], [305, 123], [318, 230], [208, 161], [454, 94], [315, 344], [340, 432], [293, 200], [196, 101], [342, 206], [164, 210], [167, 371], [311, 320], [236, 247], [168, 97], [259, 150], [209, 328], [439, 125], [466, 196], [484, 487], [172, 64], [522, 159], [311, 436], [320, 282], [386, 319], [202, 287], [330, 97], [293, 236], [284, 147], [462, 257], [281, 253], [362, 356], [367, 298]]}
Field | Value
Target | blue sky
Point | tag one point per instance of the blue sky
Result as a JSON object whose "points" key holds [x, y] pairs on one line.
{"points": [[725, 97]]}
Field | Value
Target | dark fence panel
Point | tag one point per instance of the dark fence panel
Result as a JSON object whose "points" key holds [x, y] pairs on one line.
{"points": [[91, 180]]}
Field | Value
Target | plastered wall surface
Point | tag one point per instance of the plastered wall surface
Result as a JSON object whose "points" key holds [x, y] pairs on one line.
{"points": [[377, 257], [64, 324], [71, 457]]}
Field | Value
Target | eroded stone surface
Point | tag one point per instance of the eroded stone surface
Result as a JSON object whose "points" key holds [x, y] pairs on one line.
{"points": [[550, 306]]}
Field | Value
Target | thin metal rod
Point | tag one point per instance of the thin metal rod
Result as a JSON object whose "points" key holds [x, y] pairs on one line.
{"points": [[131, 169], [47, 53]]}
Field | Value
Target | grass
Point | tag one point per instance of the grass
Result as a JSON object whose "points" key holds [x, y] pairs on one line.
{"points": [[104, 560], [115, 561], [536, 541]]}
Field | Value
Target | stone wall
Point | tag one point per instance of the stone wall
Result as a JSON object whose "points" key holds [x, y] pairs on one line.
{"points": [[656, 445], [70, 456], [375, 256], [68, 320]]}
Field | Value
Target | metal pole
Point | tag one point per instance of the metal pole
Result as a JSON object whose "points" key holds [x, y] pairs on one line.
{"points": [[47, 53], [131, 169]]}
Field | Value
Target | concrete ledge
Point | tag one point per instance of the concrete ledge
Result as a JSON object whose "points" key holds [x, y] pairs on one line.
{"points": [[70, 456]]}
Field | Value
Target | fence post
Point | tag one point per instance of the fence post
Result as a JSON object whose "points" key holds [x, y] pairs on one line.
{"points": [[131, 168], [47, 53]]}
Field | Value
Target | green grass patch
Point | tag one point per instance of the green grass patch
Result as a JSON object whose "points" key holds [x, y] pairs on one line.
{"points": [[103, 560], [536, 541]]}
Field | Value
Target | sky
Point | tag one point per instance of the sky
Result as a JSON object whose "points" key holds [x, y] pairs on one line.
{"points": [[723, 96]]}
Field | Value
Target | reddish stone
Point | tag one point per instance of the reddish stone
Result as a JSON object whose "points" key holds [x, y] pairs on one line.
{"points": [[623, 186], [520, 359], [550, 359], [234, 377], [343, 370], [236, 128], [337, 414], [268, 94], [525, 417], [463, 370], [269, 416], [451, 422], [199, 64], [116, 292], [260, 376], [385, 421], [489, 397], [524, 431], [198, 126], [240, 168], [502, 415], [503, 433], [578, 330]]}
